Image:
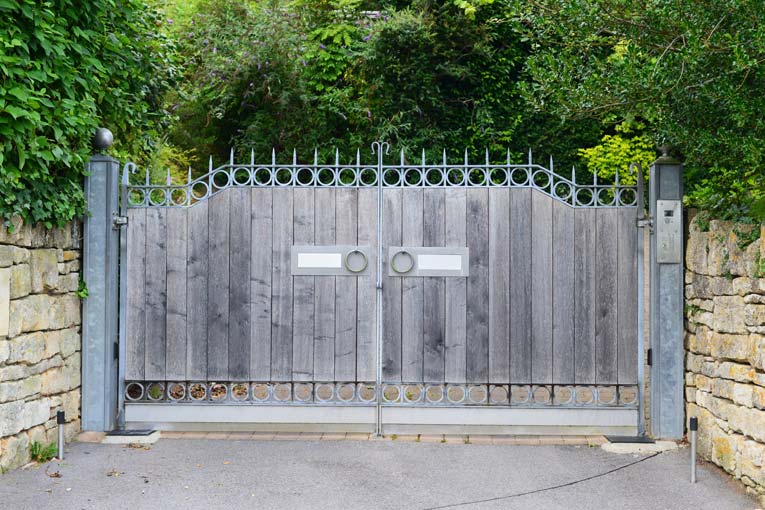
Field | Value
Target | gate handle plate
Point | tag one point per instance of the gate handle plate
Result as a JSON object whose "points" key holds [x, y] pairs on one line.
{"points": [[400, 269], [360, 265]]}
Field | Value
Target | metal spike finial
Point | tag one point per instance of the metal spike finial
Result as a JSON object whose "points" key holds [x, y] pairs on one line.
{"points": [[337, 156], [486, 151], [573, 174], [617, 176], [466, 157], [531, 157], [169, 180], [252, 157], [358, 157], [273, 156], [147, 175], [294, 157], [315, 156], [210, 165], [188, 177], [552, 165], [423, 156], [402, 156], [508, 156], [231, 157], [445, 157]]}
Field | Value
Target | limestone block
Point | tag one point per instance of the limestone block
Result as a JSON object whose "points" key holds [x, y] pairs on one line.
{"points": [[14, 451], [735, 371], [72, 267], [724, 450], [71, 404], [758, 397], [21, 281], [70, 255], [20, 389], [59, 380], [27, 348], [39, 311], [17, 416], [743, 394], [754, 314], [752, 461], [44, 268], [5, 351], [67, 283], [750, 422], [733, 347], [696, 252], [6, 255], [728, 316]]}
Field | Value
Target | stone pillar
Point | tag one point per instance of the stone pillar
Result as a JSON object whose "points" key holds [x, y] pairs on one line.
{"points": [[666, 342], [100, 270]]}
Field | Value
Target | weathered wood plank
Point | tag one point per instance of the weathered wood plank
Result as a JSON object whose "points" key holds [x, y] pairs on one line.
{"points": [[541, 291], [605, 315], [391, 334], [520, 285], [477, 362], [239, 329], [627, 297], [564, 294], [196, 292], [456, 289], [434, 289], [324, 300], [281, 287], [499, 285], [412, 311], [303, 288], [585, 246], [218, 287], [135, 326], [156, 293], [346, 220], [260, 283], [366, 299], [177, 242]]}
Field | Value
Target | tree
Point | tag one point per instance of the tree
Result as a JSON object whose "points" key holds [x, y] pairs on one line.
{"points": [[692, 71]]}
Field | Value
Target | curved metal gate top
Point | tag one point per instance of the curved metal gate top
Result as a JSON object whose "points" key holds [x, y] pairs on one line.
{"points": [[390, 284]]}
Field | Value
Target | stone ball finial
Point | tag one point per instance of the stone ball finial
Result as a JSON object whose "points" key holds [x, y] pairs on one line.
{"points": [[664, 149], [103, 139]]}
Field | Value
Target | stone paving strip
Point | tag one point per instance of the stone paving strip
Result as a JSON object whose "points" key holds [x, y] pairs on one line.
{"points": [[421, 438]]}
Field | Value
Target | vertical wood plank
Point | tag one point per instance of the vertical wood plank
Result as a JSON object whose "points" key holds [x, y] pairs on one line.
{"points": [[541, 292], [520, 285], [218, 287], [564, 293], [239, 329], [605, 315], [499, 285], [281, 289], [260, 283], [434, 298], [627, 296], [366, 298], [156, 293], [345, 300], [324, 300], [585, 245], [135, 326], [196, 289], [456, 289], [477, 362], [177, 241], [303, 289], [412, 312], [391, 335]]}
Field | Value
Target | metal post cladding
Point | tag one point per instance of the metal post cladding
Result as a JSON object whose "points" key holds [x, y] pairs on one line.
{"points": [[100, 266], [667, 376], [381, 148]]}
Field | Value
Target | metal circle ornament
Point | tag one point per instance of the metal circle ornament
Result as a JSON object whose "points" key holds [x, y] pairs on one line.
{"points": [[402, 262], [356, 261]]}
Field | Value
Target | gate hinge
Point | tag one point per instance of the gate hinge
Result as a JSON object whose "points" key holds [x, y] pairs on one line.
{"points": [[650, 357], [644, 222], [118, 221]]}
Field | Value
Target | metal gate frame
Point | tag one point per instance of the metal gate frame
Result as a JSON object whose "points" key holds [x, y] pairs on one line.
{"points": [[527, 175]]}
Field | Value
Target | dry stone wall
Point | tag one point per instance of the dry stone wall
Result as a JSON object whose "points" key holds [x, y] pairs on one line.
{"points": [[39, 337], [725, 343]]}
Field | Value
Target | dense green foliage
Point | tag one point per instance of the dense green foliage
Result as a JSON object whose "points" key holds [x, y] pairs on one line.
{"points": [[67, 68], [692, 71], [342, 73]]}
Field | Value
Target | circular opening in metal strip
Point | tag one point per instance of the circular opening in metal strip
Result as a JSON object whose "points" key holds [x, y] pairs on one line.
{"points": [[396, 261], [356, 261]]}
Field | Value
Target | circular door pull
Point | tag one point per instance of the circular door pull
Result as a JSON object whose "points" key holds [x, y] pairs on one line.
{"points": [[356, 261], [402, 262]]}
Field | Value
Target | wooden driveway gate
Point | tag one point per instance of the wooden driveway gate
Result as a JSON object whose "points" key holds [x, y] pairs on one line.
{"points": [[497, 297]]}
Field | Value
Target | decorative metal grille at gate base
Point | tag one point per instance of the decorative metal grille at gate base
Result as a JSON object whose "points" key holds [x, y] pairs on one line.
{"points": [[547, 316]]}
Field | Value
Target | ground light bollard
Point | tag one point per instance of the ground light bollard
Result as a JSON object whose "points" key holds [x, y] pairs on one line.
{"points": [[693, 427], [60, 420]]}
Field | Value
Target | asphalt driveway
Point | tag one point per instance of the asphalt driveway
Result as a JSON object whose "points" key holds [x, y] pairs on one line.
{"points": [[232, 474]]}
